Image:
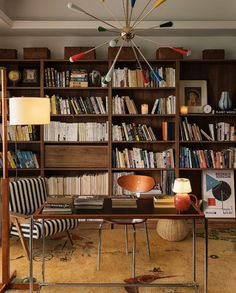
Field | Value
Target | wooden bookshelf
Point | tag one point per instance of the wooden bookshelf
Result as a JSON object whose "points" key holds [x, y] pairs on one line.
{"points": [[62, 158]]}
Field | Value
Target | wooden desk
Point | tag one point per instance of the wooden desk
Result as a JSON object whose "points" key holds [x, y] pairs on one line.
{"points": [[144, 210]]}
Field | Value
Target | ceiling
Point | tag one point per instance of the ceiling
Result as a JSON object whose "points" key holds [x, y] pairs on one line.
{"points": [[52, 17]]}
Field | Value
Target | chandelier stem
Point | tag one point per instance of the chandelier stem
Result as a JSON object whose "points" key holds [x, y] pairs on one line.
{"points": [[140, 66], [127, 13], [123, 4]]}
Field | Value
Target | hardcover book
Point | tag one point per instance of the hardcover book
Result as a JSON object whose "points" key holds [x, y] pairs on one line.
{"points": [[218, 193]]}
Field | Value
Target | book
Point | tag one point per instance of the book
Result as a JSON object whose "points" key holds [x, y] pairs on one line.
{"points": [[126, 203], [88, 203], [163, 201], [56, 210]]}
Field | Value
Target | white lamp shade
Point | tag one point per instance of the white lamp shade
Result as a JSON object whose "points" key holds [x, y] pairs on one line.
{"points": [[29, 110], [182, 185]]}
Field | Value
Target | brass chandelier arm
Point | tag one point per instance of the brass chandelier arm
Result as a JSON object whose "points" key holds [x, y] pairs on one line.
{"points": [[149, 65], [141, 13], [127, 13], [159, 2], [157, 26], [76, 8]]}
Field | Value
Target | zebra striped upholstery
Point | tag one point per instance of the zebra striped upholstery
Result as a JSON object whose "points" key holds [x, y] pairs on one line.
{"points": [[26, 196]]}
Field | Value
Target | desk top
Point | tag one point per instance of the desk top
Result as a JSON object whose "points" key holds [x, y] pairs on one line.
{"points": [[144, 210]]}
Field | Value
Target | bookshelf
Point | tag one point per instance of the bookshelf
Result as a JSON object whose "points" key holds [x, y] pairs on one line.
{"points": [[78, 157]]}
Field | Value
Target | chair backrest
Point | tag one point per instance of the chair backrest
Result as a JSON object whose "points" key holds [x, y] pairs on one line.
{"points": [[136, 183], [27, 195]]}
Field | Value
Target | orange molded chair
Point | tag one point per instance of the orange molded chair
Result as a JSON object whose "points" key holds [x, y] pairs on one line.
{"points": [[135, 184]]}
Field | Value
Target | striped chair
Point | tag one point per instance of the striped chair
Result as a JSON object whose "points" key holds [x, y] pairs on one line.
{"points": [[26, 196]]}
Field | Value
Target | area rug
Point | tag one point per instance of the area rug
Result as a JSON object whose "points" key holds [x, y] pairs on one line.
{"points": [[170, 261]]}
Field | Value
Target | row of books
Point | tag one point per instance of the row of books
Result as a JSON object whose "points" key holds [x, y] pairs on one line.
{"points": [[133, 132], [78, 105], [21, 160], [125, 77], [220, 131], [191, 158], [86, 184], [123, 105], [65, 78], [141, 158], [89, 131], [20, 133], [163, 106]]}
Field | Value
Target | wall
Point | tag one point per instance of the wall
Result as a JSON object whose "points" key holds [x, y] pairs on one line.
{"points": [[57, 44]]}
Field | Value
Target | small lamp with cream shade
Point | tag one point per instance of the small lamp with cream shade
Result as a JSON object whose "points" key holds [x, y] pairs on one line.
{"points": [[182, 188]]}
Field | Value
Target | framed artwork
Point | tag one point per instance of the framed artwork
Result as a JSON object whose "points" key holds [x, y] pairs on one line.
{"points": [[193, 94], [218, 193], [30, 75]]}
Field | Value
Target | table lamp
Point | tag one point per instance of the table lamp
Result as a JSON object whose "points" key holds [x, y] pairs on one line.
{"points": [[182, 200], [23, 110]]}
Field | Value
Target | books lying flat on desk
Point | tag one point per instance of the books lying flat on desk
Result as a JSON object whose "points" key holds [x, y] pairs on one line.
{"points": [[88, 203], [163, 201], [58, 205], [128, 203]]}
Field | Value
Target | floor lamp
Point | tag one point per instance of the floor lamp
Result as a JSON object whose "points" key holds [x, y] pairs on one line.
{"points": [[22, 111]]}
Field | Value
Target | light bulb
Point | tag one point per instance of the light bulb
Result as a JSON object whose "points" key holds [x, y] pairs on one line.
{"points": [[113, 43]]}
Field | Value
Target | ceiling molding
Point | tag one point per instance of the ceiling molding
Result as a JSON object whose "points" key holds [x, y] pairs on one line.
{"points": [[89, 28]]}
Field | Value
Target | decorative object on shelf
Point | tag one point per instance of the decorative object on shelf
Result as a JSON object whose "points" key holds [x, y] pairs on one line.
{"points": [[14, 76], [193, 94], [144, 109], [207, 109], [95, 78], [8, 54], [36, 53], [218, 193], [126, 33], [30, 75], [172, 229], [184, 110], [213, 54], [225, 101], [182, 188]]}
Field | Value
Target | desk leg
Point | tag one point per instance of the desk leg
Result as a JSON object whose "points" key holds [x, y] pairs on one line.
{"points": [[206, 256], [31, 254], [194, 250], [43, 251]]}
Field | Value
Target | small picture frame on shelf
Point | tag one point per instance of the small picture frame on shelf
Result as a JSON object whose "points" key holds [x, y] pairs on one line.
{"points": [[193, 94], [30, 75]]}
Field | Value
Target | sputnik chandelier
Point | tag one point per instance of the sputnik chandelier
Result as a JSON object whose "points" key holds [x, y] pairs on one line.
{"points": [[126, 34]]}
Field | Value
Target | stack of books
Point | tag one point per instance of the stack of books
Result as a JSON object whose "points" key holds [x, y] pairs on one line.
{"points": [[163, 201], [124, 203], [88, 202], [78, 78], [58, 205]]}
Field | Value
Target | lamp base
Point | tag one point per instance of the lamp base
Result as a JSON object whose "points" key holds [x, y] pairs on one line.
{"points": [[182, 202]]}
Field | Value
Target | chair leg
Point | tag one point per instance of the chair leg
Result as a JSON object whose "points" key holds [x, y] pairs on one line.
{"points": [[22, 239], [126, 240], [147, 239], [134, 250], [69, 237], [99, 245]]}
